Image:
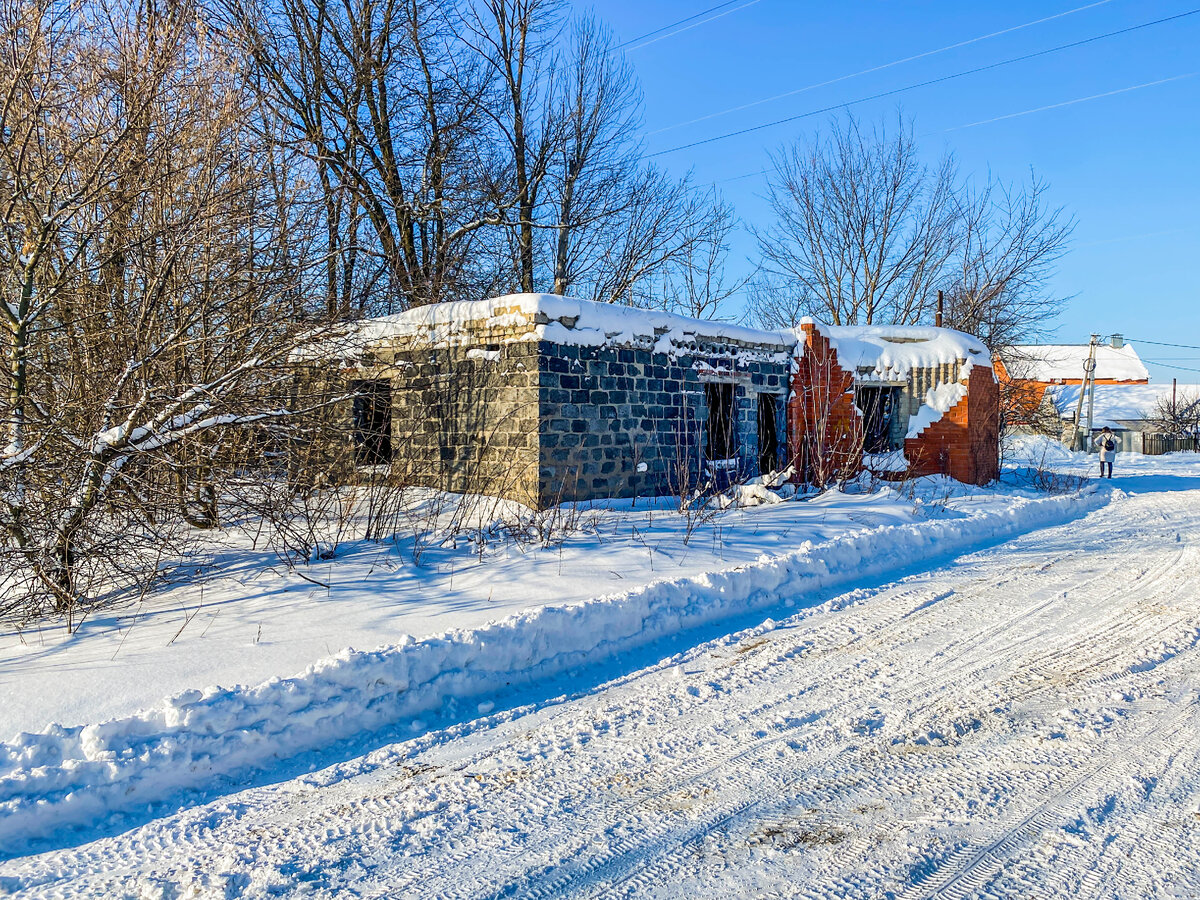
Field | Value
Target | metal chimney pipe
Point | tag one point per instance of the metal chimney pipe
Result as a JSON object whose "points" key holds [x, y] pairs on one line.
{"points": [[937, 320]]}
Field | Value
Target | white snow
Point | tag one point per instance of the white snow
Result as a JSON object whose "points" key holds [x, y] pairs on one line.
{"points": [[1119, 404], [938, 401], [59, 776], [1020, 721], [891, 352], [1065, 362], [562, 320]]}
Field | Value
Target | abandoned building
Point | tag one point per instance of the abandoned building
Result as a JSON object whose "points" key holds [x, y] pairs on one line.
{"points": [[544, 399], [899, 400]]}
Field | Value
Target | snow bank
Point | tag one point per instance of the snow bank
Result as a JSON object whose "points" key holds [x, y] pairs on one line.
{"points": [[891, 352], [61, 778]]}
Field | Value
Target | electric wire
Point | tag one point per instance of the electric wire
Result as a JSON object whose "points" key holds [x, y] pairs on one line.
{"points": [[1135, 87], [1169, 366], [650, 34], [878, 68], [1162, 344], [929, 82], [1026, 112]]}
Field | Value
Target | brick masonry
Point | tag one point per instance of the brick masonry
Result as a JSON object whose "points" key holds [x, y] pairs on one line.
{"points": [[826, 430], [825, 434], [965, 442]]}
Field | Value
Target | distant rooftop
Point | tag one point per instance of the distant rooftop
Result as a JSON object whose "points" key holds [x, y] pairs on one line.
{"points": [[1118, 404], [1064, 362]]}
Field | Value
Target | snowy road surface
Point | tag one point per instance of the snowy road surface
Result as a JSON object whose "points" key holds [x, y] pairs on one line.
{"points": [[1023, 722]]}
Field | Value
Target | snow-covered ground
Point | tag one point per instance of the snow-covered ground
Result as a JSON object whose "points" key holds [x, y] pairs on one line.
{"points": [[966, 729], [241, 616]]}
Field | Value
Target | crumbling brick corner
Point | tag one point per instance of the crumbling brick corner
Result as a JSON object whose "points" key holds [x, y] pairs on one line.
{"points": [[825, 435], [965, 442]]}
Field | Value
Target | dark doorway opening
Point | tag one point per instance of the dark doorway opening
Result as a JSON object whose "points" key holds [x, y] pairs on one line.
{"points": [[768, 435], [879, 406], [720, 437], [372, 423]]}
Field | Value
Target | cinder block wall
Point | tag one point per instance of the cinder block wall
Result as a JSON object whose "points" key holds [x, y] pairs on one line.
{"points": [[467, 423], [628, 421]]}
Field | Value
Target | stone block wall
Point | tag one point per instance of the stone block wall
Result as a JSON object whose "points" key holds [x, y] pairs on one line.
{"points": [[627, 421], [463, 419]]}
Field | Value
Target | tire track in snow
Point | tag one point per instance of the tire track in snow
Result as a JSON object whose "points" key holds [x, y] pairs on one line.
{"points": [[984, 862], [821, 651], [620, 865]]}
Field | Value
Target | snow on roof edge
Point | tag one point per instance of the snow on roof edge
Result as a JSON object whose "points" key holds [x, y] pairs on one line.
{"points": [[893, 351], [1059, 362], [565, 320]]}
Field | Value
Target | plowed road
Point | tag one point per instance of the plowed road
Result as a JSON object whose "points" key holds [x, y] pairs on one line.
{"points": [[1020, 723]]}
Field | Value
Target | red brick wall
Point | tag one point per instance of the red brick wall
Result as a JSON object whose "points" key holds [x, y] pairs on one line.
{"points": [[965, 442], [824, 428]]}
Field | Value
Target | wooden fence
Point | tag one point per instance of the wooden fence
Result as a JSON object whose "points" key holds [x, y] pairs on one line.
{"points": [[1158, 444]]}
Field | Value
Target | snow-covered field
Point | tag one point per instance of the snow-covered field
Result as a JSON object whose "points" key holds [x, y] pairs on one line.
{"points": [[1019, 713]]}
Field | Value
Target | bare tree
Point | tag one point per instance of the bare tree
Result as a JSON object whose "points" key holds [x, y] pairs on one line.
{"points": [[1178, 414], [515, 39], [863, 229], [392, 109], [1009, 240], [150, 303], [694, 282], [589, 179]]}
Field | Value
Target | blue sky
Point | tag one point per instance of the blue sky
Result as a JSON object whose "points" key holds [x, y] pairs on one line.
{"points": [[1125, 164]]}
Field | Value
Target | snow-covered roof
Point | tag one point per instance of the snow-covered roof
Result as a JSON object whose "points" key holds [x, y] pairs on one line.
{"points": [[891, 352], [562, 320], [1064, 362], [1116, 404]]}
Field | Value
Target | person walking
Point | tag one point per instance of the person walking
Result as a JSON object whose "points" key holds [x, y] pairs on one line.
{"points": [[1106, 442]]}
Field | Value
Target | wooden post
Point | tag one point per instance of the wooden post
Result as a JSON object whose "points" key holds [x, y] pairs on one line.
{"points": [[938, 318]]}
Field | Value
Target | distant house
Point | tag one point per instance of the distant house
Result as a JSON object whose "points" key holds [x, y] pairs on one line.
{"points": [[1136, 413], [1025, 372], [545, 399]]}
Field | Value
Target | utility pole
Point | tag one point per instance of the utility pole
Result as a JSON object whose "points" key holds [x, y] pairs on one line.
{"points": [[1089, 367], [1091, 387]]}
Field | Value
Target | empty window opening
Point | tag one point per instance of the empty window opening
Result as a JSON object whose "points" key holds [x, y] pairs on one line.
{"points": [[372, 423], [879, 407], [720, 436], [768, 435]]}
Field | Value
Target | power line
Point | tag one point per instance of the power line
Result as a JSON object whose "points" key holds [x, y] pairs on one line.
{"points": [[1126, 237], [690, 18], [1131, 237], [1169, 366], [1124, 90], [878, 68], [1162, 344], [921, 84]]}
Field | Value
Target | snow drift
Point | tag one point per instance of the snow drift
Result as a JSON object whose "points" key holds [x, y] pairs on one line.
{"points": [[62, 778]]}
